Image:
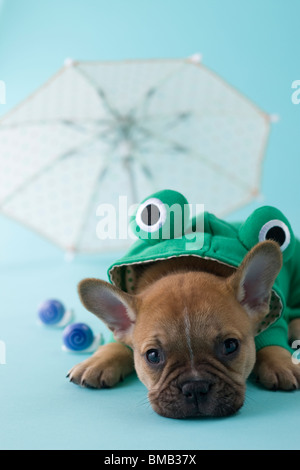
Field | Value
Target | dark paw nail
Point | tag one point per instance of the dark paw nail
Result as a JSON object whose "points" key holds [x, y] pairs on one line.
{"points": [[104, 384]]}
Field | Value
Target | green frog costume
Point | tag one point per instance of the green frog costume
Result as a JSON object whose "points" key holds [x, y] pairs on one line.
{"points": [[165, 230]]}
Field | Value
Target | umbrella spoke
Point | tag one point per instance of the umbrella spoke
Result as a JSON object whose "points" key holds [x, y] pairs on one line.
{"points": [[30, 180], [156, 137], [174, 121], [46, 168], [151, 92], [65, 122], [145, 169], [220, 170], [101, 175], [113, 111], [195, 155], [79, 127], [129, 168]]}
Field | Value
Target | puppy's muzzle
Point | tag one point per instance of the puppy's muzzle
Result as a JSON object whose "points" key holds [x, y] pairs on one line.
{"points": [[205, 395]]}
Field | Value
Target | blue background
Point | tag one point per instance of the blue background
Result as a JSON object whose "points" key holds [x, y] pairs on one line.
{"points": [[254, 45]]}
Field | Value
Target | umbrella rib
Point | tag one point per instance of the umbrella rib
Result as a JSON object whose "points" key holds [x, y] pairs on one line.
{"points": [[46, 122], [129, 169], [32, 178], [147, 172], [101, 174], [43, 170], [222, 171], [206, 160], [102, 95], [171, 122], [99, 178], [151, 91]]}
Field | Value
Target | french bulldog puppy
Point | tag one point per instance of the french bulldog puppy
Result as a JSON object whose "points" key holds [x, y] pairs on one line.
{"points": [[189, 333]]}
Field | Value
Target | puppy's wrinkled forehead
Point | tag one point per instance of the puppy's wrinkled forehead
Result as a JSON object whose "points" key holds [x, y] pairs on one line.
{"points": [[194, 305]]}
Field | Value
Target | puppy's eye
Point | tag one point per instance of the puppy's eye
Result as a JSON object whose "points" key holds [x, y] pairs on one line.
{"points": [[230, 345], [153, 356]]}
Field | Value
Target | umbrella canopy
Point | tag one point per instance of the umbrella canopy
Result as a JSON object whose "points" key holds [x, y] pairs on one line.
{"points": [[100, 130]]}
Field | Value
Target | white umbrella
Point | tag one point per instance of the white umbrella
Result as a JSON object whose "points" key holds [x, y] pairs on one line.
{"points": [[98, 130]]}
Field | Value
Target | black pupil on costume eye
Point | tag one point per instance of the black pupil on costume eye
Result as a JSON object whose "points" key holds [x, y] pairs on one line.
{"points": [[150, 215], [277, 234], [230, 346], [153, 356]]}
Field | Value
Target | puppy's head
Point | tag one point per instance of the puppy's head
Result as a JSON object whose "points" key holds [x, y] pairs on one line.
{"points": [[192, 333]]}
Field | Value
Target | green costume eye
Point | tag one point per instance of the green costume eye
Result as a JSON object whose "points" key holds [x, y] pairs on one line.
{"points": [[161, 216], [278, 231], [151, 215], [268, 223]]}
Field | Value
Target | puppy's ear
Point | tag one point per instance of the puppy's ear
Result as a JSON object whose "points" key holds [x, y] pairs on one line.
{"points": [[113, 306], [253, 280]]}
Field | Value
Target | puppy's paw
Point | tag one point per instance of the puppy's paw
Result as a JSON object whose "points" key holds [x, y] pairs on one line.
{"points": [[95, 374], [275, 370], [107, 367]]}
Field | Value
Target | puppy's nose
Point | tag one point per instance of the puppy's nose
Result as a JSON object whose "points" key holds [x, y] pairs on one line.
{"points": [[195, 390]]}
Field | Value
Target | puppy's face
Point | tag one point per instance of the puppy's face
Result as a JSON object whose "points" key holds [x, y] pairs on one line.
{"points": [[193, 346], [192, 333]]}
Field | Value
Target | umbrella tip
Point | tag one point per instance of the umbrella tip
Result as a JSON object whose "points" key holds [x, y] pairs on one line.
{"points": [[274, 118], [68, 62], [196, 58]]}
